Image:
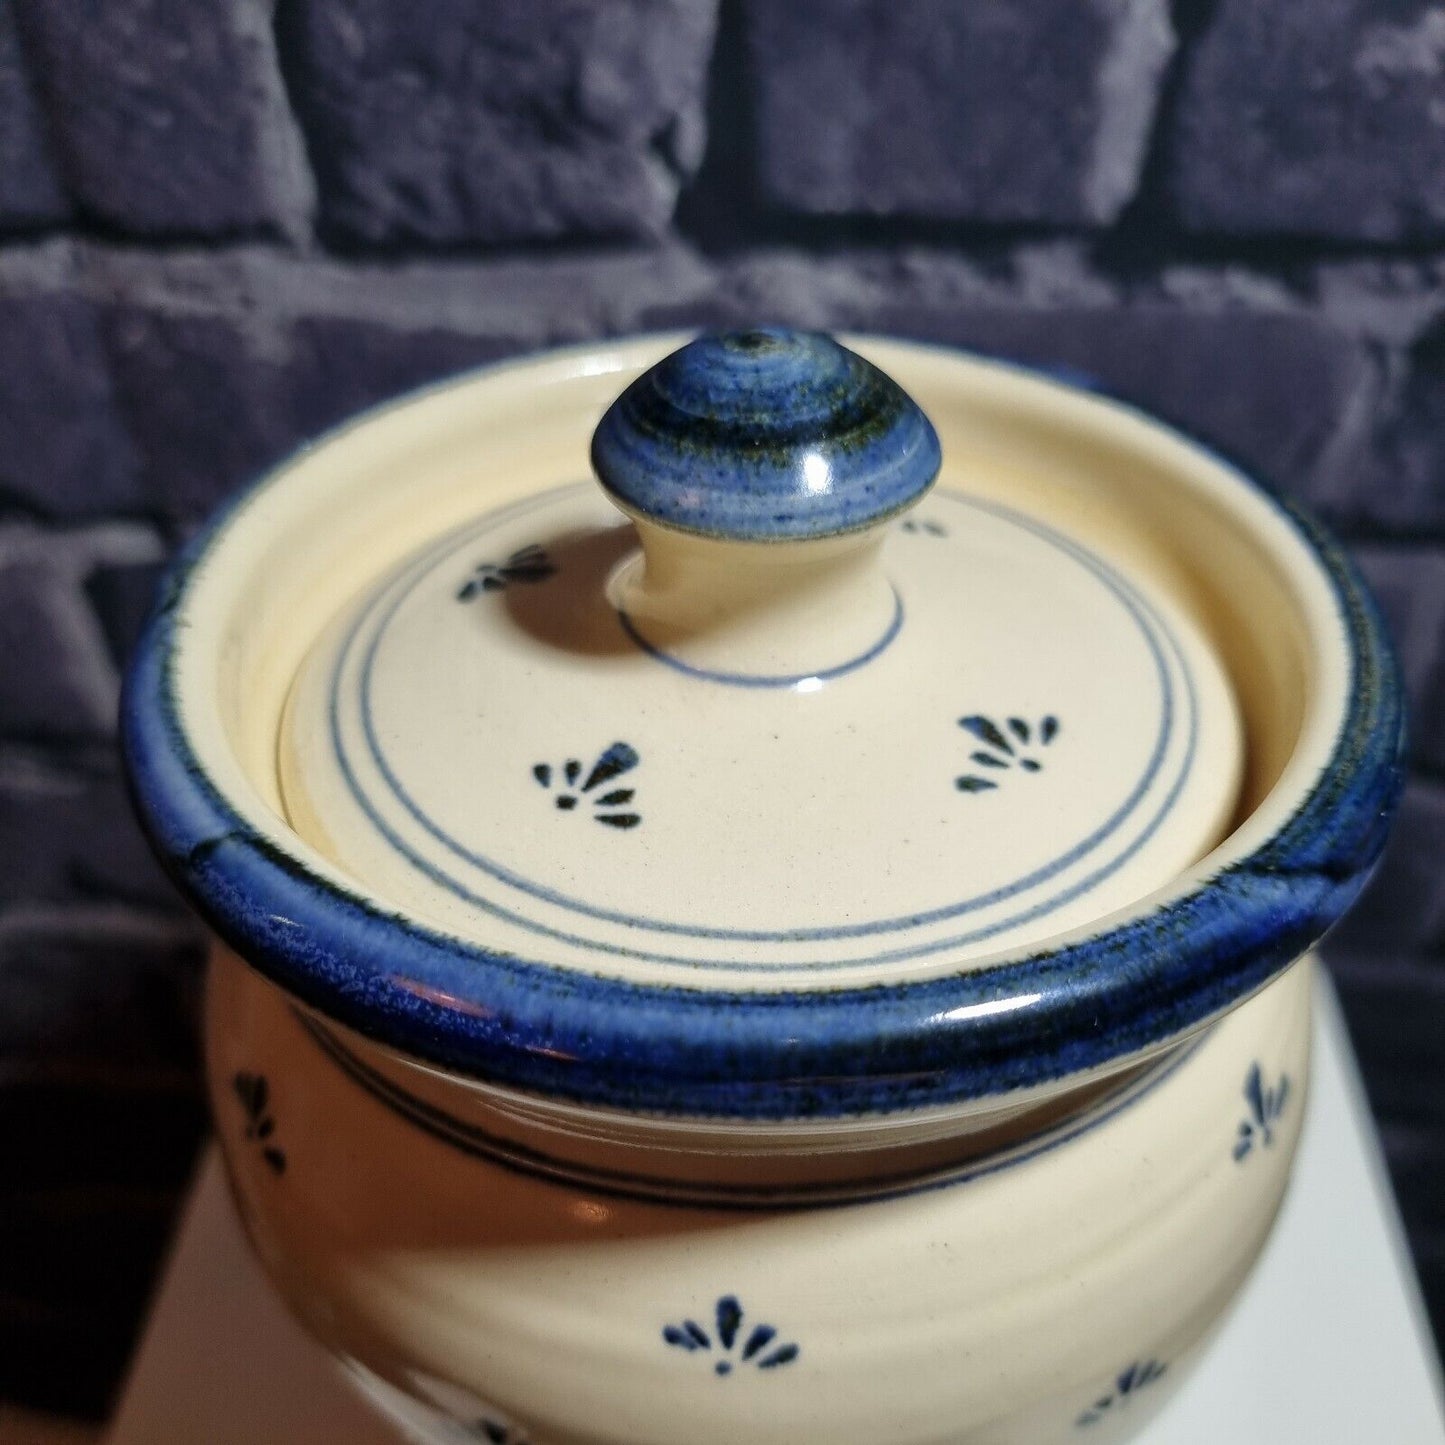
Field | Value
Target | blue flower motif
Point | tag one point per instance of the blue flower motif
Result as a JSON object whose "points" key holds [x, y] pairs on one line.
{"points": [[757, 1349], [1266, 1105], [255, 1095], [1015, 744], [610, 806], [1126, 1384], [527, 564]]}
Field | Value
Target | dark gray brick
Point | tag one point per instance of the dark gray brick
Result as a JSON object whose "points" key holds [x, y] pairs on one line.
{"points": [[343, 365], [67, 832], [781, 287], [207, 407], [1395, 1006], [212, 405], [1268, 389], [96, 993], [1013, 111], [1324, 119], [1388, 482], [1403, 908], [1391, 300], [218, 384], [168, 117], [1410, 584], [122, 596], [30, 190], [1403, 491], [1280, 390], [54, 680], [64, 449], [210, 409], [446, 121], [57, 678]]}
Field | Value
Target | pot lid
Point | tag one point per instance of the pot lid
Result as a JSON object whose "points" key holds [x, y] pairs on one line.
{"points": [[762, 712]]}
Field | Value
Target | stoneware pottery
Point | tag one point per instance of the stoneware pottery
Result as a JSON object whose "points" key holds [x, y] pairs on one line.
{"points": [[803, 942]]}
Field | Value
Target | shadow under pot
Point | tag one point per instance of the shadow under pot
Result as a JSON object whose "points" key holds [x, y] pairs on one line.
{"points": [[804, 942]]}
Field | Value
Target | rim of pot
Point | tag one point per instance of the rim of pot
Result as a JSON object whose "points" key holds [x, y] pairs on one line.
{"points": [[1095, 999]]}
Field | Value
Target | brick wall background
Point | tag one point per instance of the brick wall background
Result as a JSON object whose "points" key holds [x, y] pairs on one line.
{"points": [[224, 226]]}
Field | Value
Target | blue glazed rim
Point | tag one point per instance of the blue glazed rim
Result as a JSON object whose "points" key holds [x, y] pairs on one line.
{"points": [[705, 1052]]}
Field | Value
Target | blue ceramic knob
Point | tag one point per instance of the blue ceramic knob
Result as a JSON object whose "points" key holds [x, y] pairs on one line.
{"points": [[763, 436]]}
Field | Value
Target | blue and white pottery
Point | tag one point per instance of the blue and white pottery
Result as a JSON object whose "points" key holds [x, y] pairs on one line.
{"points": [[806, 942]]}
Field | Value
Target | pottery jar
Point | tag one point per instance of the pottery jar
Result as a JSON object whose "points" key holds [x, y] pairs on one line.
{"points": [[804, 941]]}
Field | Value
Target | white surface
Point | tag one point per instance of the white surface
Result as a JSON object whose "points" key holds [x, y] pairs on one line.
{"points": [[1327, 1345]]}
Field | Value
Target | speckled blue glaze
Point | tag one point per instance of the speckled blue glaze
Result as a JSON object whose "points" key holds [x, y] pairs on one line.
{"points": [[765, 436], [523, 1022]]}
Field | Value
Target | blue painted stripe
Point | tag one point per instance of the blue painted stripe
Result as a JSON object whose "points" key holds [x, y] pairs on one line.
{"points": [[765, 435], [482, 1144], [1144, 616], [749, 679]]}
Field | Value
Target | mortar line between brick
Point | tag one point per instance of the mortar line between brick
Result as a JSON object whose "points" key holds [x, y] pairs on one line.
{"points": [[294, 157]]}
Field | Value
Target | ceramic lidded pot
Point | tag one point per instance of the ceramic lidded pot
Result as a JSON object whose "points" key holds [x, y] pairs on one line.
{"points": [[806, 941]]}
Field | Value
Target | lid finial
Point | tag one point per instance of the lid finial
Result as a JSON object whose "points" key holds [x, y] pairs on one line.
{"points": [[766, 435]]}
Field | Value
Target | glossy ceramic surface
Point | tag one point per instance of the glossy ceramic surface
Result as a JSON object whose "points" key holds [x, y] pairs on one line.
{"points": [[952, 1015], [763, 966], [676, 824], [1055, 1289], [761, 436]]}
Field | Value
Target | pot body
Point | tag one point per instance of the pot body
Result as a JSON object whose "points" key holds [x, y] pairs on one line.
{"points": [[1055, 1286]]}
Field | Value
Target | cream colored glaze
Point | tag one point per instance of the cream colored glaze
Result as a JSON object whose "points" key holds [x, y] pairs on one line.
{"points": [[763, 608], [299, 548], [987, 1313], [991, 1310], [795, 809]]}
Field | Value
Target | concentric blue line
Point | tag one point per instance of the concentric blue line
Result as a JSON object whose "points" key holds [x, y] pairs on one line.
{"points": [[1143, 614], [478, 1143], [753, 679]]}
